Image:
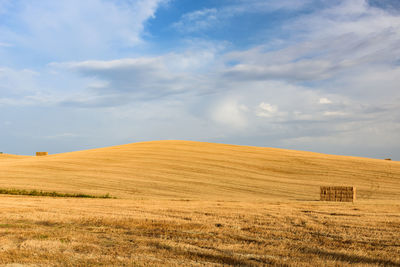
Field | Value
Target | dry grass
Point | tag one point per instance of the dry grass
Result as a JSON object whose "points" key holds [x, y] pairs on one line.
{"points": [[179, 169], [195, 204], [85, 232]]}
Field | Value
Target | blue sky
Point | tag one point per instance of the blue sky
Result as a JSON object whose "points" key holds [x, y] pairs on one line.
{"points": [[312, 75]]}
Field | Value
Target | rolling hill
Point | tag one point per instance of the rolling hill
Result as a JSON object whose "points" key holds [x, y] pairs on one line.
{"points": [[197, 170]]}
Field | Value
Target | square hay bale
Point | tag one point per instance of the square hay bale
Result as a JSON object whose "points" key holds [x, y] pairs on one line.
{"points": [[338, 193], [42, 153]]}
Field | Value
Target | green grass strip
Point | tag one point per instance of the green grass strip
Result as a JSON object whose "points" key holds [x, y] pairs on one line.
{"points": [[22, 192]]}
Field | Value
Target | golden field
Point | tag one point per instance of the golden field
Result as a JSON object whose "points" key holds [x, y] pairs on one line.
{"points": [[191, 203]]}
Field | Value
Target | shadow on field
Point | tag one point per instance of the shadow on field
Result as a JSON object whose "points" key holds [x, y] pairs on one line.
{"points": [[214, 256], [331, 213], [349, 258]]}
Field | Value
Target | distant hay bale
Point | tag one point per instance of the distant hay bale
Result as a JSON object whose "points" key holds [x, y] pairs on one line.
{"points": [[338, 193], [42, 153], [388, 159]]}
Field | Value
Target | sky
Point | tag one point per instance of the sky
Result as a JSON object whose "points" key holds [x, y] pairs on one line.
{"points": [[314, 75]]}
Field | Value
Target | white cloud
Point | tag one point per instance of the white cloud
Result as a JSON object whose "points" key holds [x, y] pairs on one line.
{"points": [[77, 29], [350, 37], [230, 113], [17, 82], [324, 100], [327, 82], [334, 113], [305, 70], [352, 16], [266, 110], [123, 81]]}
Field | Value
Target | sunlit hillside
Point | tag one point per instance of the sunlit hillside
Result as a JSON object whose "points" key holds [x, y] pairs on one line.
{"points": [[196, 170]]}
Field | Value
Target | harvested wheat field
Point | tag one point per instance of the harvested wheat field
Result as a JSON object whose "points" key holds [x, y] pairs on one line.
{"points": [[190, 203]]}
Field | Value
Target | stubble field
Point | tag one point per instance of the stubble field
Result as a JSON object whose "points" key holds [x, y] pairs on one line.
{"points": [[186, 203]]}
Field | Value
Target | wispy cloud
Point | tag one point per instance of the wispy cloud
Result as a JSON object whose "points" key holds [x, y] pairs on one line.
{"points": [[209, 18], [75, 29], [197, 20]]}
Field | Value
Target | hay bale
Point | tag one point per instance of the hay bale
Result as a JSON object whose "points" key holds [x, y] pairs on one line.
{"points": [[338, 193], [388, 159], [42, 153]]}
